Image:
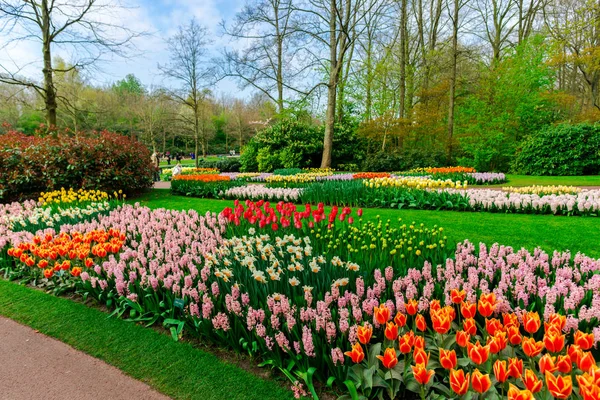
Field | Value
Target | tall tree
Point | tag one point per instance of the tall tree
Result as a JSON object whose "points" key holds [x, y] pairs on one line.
{"points": [[189, 67], [82, 26]]}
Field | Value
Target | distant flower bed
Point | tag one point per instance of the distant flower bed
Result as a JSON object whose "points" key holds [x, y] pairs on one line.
{"points": [[544, 190], [202, 178]]}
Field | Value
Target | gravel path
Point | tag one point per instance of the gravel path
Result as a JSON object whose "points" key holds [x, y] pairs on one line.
{"points": [[34, 366]]}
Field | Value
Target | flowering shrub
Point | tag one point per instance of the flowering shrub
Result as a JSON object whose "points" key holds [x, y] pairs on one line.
{"points": [[544, 190], [99, 161], [207, 185]]}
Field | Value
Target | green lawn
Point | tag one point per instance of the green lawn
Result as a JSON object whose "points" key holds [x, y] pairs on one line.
{"points": [[526, 180], [517, 230], [179, 370]]}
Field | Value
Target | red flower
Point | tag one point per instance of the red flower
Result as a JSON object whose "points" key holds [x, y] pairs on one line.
{"points": [[400, 319], [405, 342], [448, 358], [462, 338], [469, 326], [420, 356], [481, 383], [531, 347], [411, 307], [364, 334], [389, 358], [554, 340], [493, 325], [547, 364], [586, 361], [441, 321], [391, 331], [459, 382], [531, 322], [468, 309], [478, 353], [48, 273], [532, 382], [382, 314], [584, 340], [564, 363], [458, 296], [357, 354], [559, 386], [421, 324], [421, 374], [515, 367], [514, 393], [500, 371], [514, 336]]}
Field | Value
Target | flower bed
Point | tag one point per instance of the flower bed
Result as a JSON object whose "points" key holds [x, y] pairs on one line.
{"points": [[255, 192], [206, 185], [375, 308], [544, 190]]}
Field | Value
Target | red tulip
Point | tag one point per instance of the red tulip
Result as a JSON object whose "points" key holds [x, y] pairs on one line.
{"points": [[462, 338], [411, 307], [364, 334], [478, 353], [389, 358], [468, 309], [448, 358], [400, 319], [532, 382], [514, 393], [420, 322], [391, 331], [559, 386], [531, 347], [459, 382], [531, 322], [357, 354], [481, 383], [500, 371], [458, 296], [382, 314], [469, 326], [421, 374], [493, 325], [584, 340], [515, 367], [547, 364]]}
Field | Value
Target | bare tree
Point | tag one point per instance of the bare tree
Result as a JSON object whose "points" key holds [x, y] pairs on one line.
{"points": [[77, 25], [189, 67]]}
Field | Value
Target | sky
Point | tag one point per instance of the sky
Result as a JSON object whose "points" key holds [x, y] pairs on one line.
{"points": [[160, 19]]}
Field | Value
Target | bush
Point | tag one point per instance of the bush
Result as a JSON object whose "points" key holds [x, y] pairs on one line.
{"points": [[287, 171], [563, 149], [202, 189], [226, 164], [101, 161]]}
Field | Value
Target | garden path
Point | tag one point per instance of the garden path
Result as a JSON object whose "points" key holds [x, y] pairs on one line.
{"points": [[35, 366]]}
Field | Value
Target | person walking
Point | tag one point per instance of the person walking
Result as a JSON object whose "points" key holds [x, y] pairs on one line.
{"points": [[155, 163]]}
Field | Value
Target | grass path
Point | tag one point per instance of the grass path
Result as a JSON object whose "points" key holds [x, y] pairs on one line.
{"points": [[578, 234], [176, 369]]}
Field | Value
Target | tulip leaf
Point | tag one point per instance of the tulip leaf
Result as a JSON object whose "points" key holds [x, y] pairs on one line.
{"points": [[374, 351], [352, 389]]}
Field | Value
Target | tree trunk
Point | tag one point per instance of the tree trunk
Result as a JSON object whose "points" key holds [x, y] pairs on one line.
{"points": [[403, 46], [329, 124], [453, 78], [196, 134], [49, 89]]}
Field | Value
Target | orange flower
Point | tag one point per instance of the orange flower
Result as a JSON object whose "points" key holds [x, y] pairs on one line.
{"points": [[575, 352], [389, 358], [469, 326], [370, 175], [202, 178], [421, 324], [532, 382], [564, 363], [459, 382], [554, 340], [458, 296], [391, 331], [357, 354], [514, 393], [478, 353], [468, 309], [514, 336], [589, 392], [462, 338], [441, 321], [531, 347], [497, 343], [420, 356], [557, 320], [487, 304], [449, 170], [405, 343], [419, 342], [434, 305], [382, 314], [586, 361], [510, 320], [500, 371], [448, 358], [364, 334], [584, 340], [547, 364], [515, 367], [76, 271], [411, 307], [48, 273], [400, 319], [89, 262], [531, 322], [43, 264], [493, 325], [559, 386], [481, 383], [421, 374]]}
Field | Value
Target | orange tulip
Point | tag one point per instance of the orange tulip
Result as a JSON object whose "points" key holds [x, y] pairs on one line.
{"points": [[400, 319], [411, 307], [531, 347], [459, 382], [532, 382], [554, 340], [514, 336], [419, 342], [434, 305], [498, 342], [559, 386], [493, 325], [421, 374], [515, 367], [514, 393], [448, 358], [421, 324], [48, 273], [76, 271], [441, 321], [420, 356], [586, 361], [468, 309], [500, 371], [510, 320], [43, 264], [575, 352], [391, 331], [589, 392], [481, 383], [547, 364], [486, 305], [531, 322], [89, 262], [382, 314], [564, 363], [584, 340], [357, 354], [389, 358], [478, 353], [557, 320], [364, 334], [405, 343], [469, 326], [462, 338], [458, 296]]}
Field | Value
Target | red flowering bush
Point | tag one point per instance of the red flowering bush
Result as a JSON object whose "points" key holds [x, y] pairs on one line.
{"points": [[97, 160]]}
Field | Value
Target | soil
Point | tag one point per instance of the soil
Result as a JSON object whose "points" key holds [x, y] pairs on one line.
{"points": [[34, 366]]}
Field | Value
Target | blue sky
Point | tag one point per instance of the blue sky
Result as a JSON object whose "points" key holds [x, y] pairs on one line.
{"points": [[159, 17]]}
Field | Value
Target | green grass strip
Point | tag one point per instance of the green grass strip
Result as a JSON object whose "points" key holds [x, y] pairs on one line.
{"points": [[517, 230], [176, 369]]}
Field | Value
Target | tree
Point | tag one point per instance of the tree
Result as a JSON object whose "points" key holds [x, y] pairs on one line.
{"points": [[188, 66], [74, 24]]}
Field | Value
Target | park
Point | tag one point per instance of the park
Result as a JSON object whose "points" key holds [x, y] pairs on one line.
{"points": [[312, 199]]}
